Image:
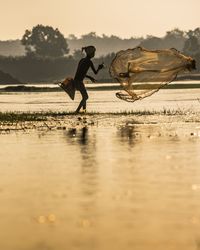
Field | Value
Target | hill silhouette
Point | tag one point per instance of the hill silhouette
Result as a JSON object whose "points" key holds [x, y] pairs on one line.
{"points": [[6, 78]]}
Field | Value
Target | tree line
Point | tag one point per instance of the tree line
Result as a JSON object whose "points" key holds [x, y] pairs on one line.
{"points": [[47, 55]]}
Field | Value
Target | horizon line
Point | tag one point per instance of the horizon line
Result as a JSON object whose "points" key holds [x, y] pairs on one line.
{"points": [[78, 37]]}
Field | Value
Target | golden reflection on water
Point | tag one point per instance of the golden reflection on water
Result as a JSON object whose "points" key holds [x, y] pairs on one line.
{"points": [[130, 187]]}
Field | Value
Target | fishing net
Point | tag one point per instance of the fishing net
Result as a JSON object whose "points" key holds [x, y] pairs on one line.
{"points": [[142, 72]]}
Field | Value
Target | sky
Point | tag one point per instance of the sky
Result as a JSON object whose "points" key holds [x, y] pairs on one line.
{"points": [[123, 18]]}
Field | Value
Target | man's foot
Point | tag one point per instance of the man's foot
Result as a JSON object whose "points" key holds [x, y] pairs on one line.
{"points": [[83, 111]]}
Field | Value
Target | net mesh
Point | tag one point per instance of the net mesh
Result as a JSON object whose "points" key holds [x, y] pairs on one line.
{"points": [[142, 72]]}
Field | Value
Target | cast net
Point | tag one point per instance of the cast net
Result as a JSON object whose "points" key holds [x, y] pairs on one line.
{"points": [[142, 72]]}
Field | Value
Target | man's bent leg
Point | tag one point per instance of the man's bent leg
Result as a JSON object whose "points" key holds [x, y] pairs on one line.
{"points": [[84, 95]]}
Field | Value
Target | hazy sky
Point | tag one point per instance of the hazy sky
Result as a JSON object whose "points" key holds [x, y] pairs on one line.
{"points": [[124, 18]]}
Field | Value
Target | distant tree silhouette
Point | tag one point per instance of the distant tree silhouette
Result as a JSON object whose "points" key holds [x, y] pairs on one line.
{"points": [[78, 54], [195, 33], [152, 42], [175, 39], [175, 33], [191, 46], [105, 44], [45, 41], [72, 37], [90, 36]]}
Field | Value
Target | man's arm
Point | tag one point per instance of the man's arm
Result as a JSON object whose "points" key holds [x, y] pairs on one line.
{"points": [[99, 68], [91, 78]]}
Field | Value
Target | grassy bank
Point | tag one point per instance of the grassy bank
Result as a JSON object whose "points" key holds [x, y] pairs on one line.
{"points": [[18, 117], [46, 121], [44, 116]]}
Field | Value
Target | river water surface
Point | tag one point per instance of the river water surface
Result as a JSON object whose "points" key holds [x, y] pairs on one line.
{"points": [[123, 187], [99, 101], [132, 187]]}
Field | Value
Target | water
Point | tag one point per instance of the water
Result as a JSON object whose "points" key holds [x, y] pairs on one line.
{"points": [[100, 101], [101, 187]]}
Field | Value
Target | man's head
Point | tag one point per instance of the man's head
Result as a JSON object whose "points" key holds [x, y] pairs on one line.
{"points": [[89, 50]]}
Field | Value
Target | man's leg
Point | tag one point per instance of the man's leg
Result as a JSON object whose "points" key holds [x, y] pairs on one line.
{"points": [[84, 95]]}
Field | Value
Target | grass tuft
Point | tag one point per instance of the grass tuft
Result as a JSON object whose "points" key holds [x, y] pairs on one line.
{"points": [[17, 117], [43, 116]]}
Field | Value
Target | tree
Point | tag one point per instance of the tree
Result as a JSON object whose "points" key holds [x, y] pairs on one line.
{"points": [[91, 35], [175, 39], [175, 33], [72, 37], [152, 42], [191, 46], [45, 41], [78, 54]]}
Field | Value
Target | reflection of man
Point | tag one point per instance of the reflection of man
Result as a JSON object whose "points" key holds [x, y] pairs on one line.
{"points": [[84, 134]]}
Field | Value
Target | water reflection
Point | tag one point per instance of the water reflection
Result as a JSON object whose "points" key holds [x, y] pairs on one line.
{"points": [[128, 133], [86, 142], [84, 136], [80, 134], [95, 188]]}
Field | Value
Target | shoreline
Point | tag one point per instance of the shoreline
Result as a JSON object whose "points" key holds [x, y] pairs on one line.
{"points": [[24, 88]]}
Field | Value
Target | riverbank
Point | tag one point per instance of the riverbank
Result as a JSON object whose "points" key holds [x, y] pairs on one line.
{"points": [[94, 87]]}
